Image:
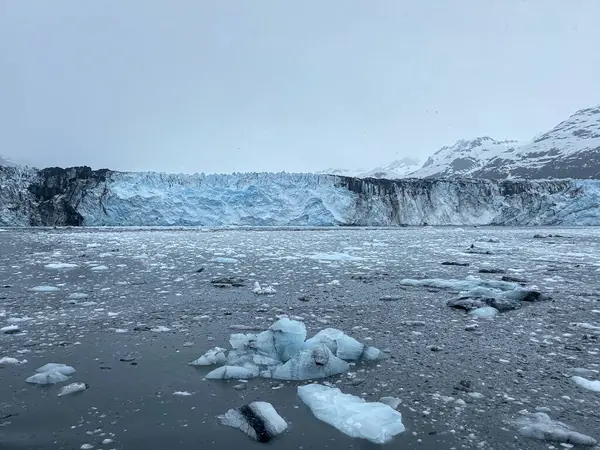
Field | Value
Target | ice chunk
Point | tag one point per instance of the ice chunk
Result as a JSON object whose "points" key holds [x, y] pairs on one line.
{"points": [[58, 266], [9, 361], [540, 426], [182, 393], [13, 320], [224, 260], [44, 289], [72, 388], [587, 384], [160, 329], [281, 341], [213, 356], [259, 420], [485, 312], [231, 372], [334, 257], [310, 364], [99, 268], [47, 378], [269, 290], [340, 344], [56, 367], [353, 416], [392, 402], [371, 354], [78, 296], [11, 329]]}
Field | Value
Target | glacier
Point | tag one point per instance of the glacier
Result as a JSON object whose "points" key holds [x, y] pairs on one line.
{"points": [[80, 196]]}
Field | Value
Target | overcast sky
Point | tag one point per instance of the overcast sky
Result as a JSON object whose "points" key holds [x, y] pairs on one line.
{"points": [[240, 85]]}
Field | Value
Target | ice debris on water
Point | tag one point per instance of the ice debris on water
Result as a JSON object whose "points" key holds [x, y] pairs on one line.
{"points": [[58, 266], [484, 312], [215, 355], [269, 290], [44, 289], [72, 388], [592, 385], [10, 329], [10, 361], [540, 426], [56, 367], [353, 416], [232, 373], [282, 352], [259, 420], [45, 378]]}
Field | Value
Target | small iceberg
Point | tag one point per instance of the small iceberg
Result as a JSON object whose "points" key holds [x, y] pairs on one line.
{"points": [[56, 367], [72, 388], [310, 364], [540, 426], [44, 289], [591, 385], [59, 266], [46, 378], [259, 420], [213, 356], [269, 290], [353, 416]]}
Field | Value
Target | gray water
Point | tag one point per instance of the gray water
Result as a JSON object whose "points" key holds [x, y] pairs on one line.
{"points": [[517, 361]]}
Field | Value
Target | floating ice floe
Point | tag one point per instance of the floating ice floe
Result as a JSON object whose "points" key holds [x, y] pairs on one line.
{"points": [[215, 355], [540, 426], [59, 266], [592, 385], [99, 268], [353, 416], [47, 378], [44, 289], [56, 367], [269, 290], [182, 393], [259, 420], [78, 296], [586, 326], [72, 388], [160, 329], [224, 260], [10, 361], [10, 329], [484, 312], [282, 352], [13, 320]]}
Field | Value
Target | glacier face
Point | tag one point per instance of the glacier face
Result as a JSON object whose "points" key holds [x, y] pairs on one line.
{"points": [[80, 196]]}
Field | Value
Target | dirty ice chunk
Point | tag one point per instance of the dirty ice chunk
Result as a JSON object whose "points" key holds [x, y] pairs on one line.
{"points": [[485, 312], [72, 388], [587, 384], [269, 290], [9, 361], [310, 364], [56, 367], [44, 289], [59, 266], [340, 344], [540, 426], [45, 378], [467, 284], [213, 356], [231, 373], [259, 420], [353, 416]]}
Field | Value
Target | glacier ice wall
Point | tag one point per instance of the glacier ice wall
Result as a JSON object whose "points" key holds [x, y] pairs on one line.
{"points": [[81, 196]]}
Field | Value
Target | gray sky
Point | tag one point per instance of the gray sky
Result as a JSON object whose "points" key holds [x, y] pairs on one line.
{"points": [[218, 86]]}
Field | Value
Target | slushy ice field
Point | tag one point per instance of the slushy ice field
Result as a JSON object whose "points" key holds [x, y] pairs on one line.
{"points": [[487, 337]]}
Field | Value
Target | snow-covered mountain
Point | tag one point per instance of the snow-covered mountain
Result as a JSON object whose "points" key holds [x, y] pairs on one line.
{"points": [[397, 169], [80, 196], [569, 150]]}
